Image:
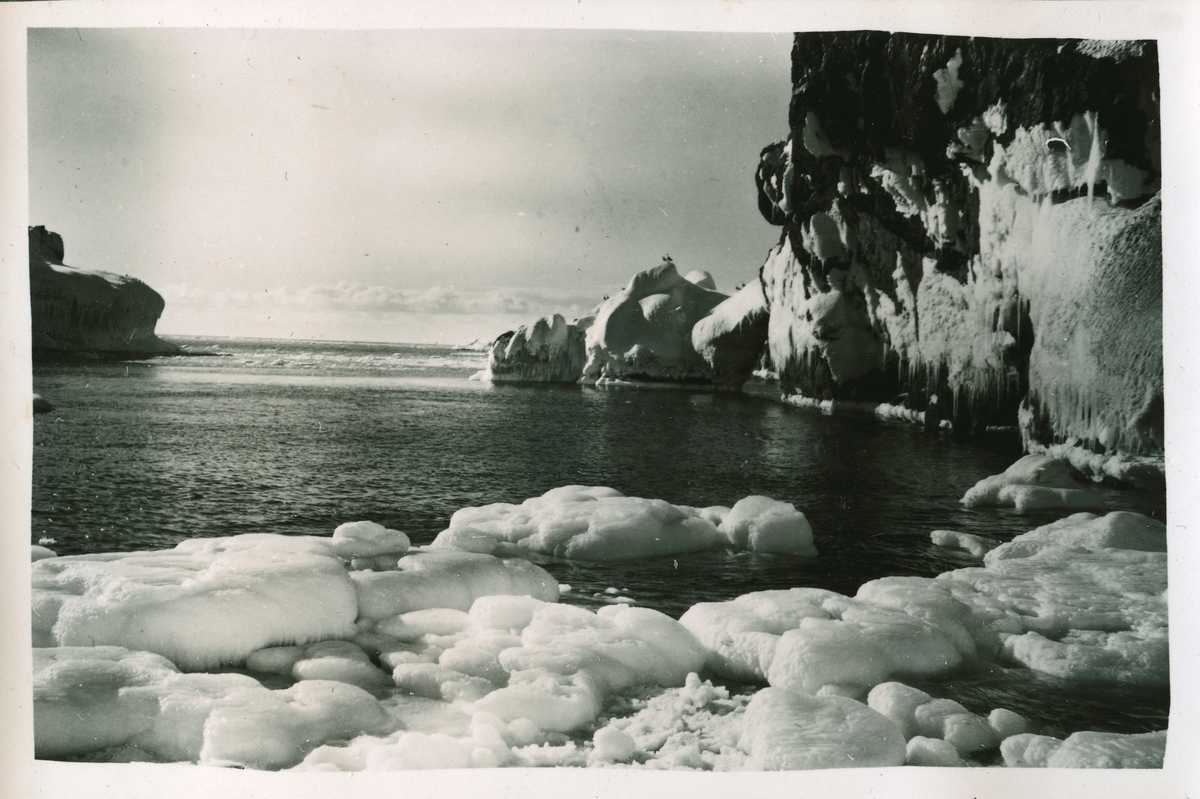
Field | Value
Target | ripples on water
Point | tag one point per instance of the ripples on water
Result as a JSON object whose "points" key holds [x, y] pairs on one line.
{"points": [[299, 437]]}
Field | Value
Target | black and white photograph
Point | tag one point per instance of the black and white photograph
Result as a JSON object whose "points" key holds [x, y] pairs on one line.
{"points": [[782, 396]]}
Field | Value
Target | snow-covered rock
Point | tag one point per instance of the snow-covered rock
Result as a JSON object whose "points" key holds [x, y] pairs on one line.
{"points": [[598, 523], [77, 310], [944, 236], [644, 332], [550, 350], [732, 338]]}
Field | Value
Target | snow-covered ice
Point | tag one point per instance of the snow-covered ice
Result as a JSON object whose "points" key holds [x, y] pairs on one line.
{"points": [[456, 659], [204, 603], [367, 539], [600, 524], [806, 639], [88, 699], [975, 545], [443, 578], [787, 730], [1035, 482], [1085, 750]]}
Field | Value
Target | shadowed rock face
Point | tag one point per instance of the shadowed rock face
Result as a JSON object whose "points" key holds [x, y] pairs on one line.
{"points": [[732, 337], [79, 311], [975, 220]]}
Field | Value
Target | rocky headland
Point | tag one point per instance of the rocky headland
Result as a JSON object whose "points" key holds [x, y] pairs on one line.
{"points": [[77, 312], [971, 237]]}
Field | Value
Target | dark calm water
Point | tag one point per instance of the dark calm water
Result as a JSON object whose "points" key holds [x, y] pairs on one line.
{"points": [[299, 437]]}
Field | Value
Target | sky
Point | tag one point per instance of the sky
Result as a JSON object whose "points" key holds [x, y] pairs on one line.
{"points": [[424, 186]]}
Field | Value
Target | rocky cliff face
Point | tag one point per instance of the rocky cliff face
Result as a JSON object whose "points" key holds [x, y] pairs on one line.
{"points": [[972, 227], [79, 311]]}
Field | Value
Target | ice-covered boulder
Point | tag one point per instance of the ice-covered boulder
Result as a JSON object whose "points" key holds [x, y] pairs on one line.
{"points": [[550, 350], [600, 524], [644, 332], [205, 603], [976, 220], [76, 310], [1035, 482], [732, 338]]}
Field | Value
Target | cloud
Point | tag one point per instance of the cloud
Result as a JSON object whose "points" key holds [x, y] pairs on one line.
{"points": [[352, 297]]}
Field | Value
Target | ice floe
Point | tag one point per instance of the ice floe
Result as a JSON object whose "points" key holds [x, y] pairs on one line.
{"points": [[202, 604], [1035, 482], [600, 524], [442, 578], [88, 699], [463, 659]]}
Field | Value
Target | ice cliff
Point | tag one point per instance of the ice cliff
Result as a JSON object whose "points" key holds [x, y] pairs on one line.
{"points": [[972, 228], [76, 310]]}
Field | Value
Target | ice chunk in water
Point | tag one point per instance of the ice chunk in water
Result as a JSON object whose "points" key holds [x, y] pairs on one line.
{"points": [[447, 579], [367, 539], [762, 524], [1085, 750], [599, 524], [205, 603], [1035, 482], [786, 730]]}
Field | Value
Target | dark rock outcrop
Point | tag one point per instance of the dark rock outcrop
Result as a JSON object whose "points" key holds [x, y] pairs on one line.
{"points": [[75, 311], [972, 221]]}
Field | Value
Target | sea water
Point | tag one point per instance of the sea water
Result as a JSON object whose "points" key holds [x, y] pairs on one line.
{"points": [[266, 436]]}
